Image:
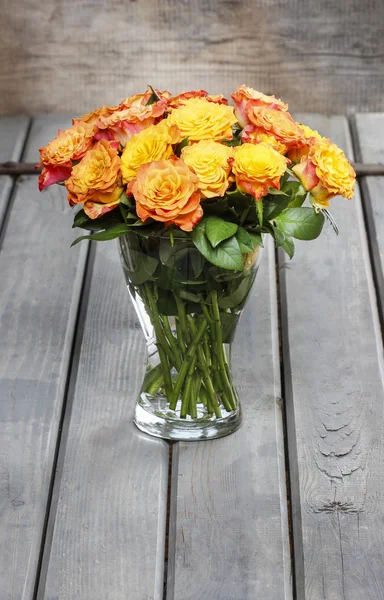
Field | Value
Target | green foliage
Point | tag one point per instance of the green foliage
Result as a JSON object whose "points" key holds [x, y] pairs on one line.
{"points": [[153, 98], [102, 236], [217, 230], [300, 223], [226, 255], [181, 145]]}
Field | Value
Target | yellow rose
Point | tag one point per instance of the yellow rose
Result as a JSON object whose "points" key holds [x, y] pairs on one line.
{"points": [[200, 119], [96, 174], [166, 191], [69, 144], [153, 143], [209, 160], [257, 167], [325, 172]]}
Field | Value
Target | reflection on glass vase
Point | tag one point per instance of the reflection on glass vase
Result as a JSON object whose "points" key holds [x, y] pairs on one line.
{"points": [[189, 310]]}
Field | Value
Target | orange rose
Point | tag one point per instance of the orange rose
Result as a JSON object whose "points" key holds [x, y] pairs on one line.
{"points": [[166, 191], [93, 117], [142, 99], [102, 203], [296, 154], [69, 144], [97, 174], [245, 98], [253, 135], [325, 173], [181, 99], [277, 123]]}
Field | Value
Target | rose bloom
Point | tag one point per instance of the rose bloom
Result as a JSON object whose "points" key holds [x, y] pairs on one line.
{"points": [[246, 97], [325, 173], [181, 99], [253, 135], [151, 144], [96, 176], [279, 124], [209, 160], [200, 119], [166, 191], [142, 99], [257, 167], [69, 144], [296, 154]]}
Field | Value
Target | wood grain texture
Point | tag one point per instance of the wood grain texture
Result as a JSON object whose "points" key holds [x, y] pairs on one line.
{"points": [[67, 55], [229, 533], [109, 523], [40, 287], [368, 138], [13, 131], [334, 392]]}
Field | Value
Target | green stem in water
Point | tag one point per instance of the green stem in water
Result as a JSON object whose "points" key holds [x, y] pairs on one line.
{"points": [[171, 340], [157, 324], [187, 402], [153, 380], [220, 350], [166, 371], [186, 364]]}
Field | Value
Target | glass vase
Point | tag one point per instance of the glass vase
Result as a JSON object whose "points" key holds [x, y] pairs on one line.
{"points": [[189, 310]]}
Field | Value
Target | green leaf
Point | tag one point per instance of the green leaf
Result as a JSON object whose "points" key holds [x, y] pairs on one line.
{"points": [[260, 210], [289, 247], [181, 145], [296, 192], [239, 296], [227, 255], [275, 192], [300, 223], [245, 241], [278, 235], [256, 238], [233, 142], [108, 234], [274, 206], [80, 219], [218, 230], [153, 98], [127, 200], [145, 266]]}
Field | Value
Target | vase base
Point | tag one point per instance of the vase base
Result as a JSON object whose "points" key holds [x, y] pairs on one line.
{"points": [[155, 418]]}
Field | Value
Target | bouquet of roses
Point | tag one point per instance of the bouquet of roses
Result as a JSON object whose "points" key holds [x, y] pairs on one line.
{"points": [[191, 185]]}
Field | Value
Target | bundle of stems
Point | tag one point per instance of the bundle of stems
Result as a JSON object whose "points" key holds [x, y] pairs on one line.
{"points": [[193, 363]]}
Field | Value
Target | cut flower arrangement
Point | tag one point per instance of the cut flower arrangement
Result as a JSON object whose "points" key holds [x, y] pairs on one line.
{"points": [[191, 186]]}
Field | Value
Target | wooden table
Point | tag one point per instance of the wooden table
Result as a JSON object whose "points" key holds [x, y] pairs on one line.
{"points": [[92, 509]]}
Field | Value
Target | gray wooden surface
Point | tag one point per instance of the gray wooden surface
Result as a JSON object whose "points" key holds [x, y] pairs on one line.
{"points": [[368, 138], [83, 494], [334, 393], [110, 501], [66, 55], [229, 526], [39, 294]]}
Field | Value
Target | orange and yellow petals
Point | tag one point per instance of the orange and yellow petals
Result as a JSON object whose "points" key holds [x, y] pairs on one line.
{"points": [[93, 117], [325, 172], [253, 135], [199, 119], [279, 124], [245, 97], [210, 162], [51, 175], [257, 167], [97, 173], [143, 99], [181, 99], [167, 191], [69, 144], [296, 154], [151, 144]]}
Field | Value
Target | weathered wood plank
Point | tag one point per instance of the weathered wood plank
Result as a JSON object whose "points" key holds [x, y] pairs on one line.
{"points": [[229, 533], [334, 369], [109, 523], [57, 58], [13, 131], [368, 137], [39, 293]]}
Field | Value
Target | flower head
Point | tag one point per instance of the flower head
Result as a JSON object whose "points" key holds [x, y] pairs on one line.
{"points": [[200, 119], [296, 154], [166, 191], [277, 123], [245, 98], [326, 172], [257, 167], [151, 144], [182, 99], [209, 160], [69, 144], [96, 175], [252, 135]]}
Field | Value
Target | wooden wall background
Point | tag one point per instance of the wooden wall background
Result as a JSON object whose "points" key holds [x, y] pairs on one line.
{"points": [[72, 55]]}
